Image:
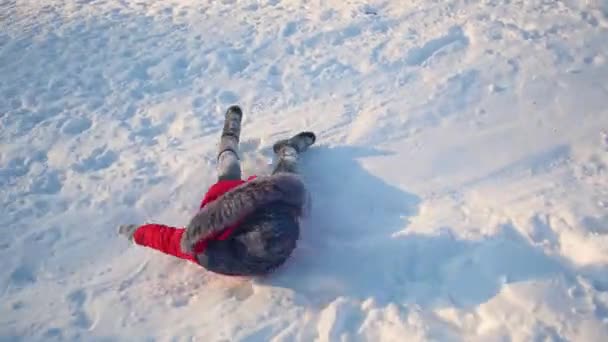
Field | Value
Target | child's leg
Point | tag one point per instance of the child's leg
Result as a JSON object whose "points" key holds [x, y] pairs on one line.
{"points": [[287, 160], [228, 164], [288, 151]]}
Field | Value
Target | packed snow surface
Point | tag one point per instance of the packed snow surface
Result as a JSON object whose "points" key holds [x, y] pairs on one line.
{"points": [[459, 188]]}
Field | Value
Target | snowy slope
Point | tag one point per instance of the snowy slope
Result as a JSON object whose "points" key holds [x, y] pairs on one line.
{"points": [[459, 189]]}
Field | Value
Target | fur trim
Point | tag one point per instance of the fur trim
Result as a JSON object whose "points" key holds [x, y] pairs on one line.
{"points": [[240, 202]]}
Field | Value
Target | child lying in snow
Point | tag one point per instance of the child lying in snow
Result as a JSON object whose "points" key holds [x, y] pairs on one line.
{"points": [[244, 228]]}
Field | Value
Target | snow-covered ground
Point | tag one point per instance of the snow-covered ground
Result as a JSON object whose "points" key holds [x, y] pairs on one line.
{"points": [[459, 188]]}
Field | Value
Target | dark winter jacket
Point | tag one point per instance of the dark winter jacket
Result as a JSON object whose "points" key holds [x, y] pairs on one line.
{"points": [[243, 228]]}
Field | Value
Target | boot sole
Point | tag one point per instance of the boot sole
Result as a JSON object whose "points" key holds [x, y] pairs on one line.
{"points": [[277, 147]]}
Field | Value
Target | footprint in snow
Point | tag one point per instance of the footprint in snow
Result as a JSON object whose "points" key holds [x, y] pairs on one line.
{"points": [[76, 301], [76, 125], [419, 55], [289, 29], [101, 158], [22, 276], [50, 182], [228, 98], [198, 102]]}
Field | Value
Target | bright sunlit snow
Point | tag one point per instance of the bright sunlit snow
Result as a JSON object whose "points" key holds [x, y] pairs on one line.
{"points": [[459, 186]]}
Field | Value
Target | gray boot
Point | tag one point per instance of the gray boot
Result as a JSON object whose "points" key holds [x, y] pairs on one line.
{"points": [[288, 150], [300, 142], [228, 165], [232, 130]]}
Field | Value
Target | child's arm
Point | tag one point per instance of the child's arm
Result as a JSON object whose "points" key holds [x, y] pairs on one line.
{"points": [[160, 237]]}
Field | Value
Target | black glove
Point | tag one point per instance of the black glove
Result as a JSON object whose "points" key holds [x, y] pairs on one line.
{"points": [[127, 230]]}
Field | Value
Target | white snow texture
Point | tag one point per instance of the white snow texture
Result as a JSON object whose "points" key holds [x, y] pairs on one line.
{"points": [[459, 185]]}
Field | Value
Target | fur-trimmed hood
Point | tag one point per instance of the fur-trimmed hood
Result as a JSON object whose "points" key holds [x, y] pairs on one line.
{"points": [[242, 201]]}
